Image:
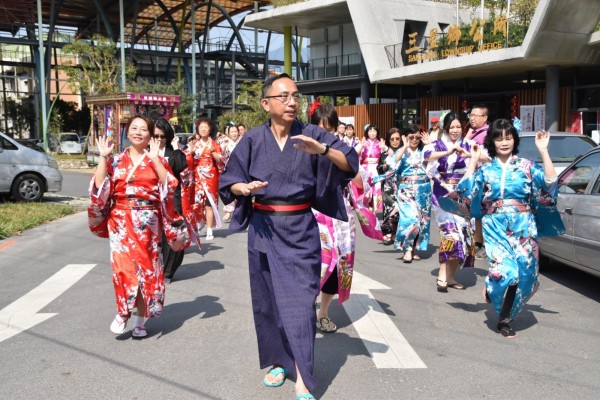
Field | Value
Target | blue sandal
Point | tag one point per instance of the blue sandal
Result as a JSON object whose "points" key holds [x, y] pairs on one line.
{"points": [[305, 396], [275, 372]]}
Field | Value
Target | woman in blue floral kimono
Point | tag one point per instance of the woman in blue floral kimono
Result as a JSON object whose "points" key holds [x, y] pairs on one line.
{"points": [[413, 194], [516, 199], [447, 160]]}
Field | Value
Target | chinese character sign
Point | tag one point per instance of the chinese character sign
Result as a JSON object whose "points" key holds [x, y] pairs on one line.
{"points": [[432, 41], [454, 34], [477, 29], [501, 25], [412, 41]]}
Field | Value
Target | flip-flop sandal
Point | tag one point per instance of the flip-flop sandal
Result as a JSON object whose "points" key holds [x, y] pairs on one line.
{"points": [[456, 286], [326, 325], [139, 332], [275, 372], [305, 396], [442, 286], [416, 257]]}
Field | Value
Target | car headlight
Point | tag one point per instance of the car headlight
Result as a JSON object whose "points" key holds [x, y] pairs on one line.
{"points": [[52, 163]]}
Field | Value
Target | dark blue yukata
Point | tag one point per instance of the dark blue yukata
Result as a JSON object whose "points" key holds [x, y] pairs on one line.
{"points": [[284, 251]]}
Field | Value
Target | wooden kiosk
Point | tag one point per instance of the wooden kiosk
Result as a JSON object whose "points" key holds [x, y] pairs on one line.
{"points": [[112, 112]]}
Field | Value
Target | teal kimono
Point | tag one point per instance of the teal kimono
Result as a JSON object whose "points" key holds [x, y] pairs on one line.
{"points": [[413, 195], [516, 205]]}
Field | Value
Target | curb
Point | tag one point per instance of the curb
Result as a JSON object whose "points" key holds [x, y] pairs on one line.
{"points": [[79, 203]]}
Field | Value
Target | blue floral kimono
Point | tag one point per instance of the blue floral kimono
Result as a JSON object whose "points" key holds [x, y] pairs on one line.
{"points": [[414, 203], [516, 205]]}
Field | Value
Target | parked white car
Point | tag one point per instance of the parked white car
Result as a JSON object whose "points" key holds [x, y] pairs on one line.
{"points": [[69, 143], [25, 173]]}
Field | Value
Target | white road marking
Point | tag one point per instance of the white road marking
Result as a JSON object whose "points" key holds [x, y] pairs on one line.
{"points": [[383, 340], [22, 314]]}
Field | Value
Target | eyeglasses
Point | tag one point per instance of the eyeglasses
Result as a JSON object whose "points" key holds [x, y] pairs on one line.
{"points": [[476, 115], [285, 98], [411, 137], [160, 137], [394, 138]]}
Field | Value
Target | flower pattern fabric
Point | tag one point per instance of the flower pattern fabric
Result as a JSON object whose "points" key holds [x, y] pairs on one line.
{"points": [[369, 158], [516, 205], [138, 208], [338, 238], [414, 202], [456, 232], [200, 186]]}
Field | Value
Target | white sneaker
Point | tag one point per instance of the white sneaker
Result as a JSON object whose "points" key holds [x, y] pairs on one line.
{"points": [[118, 325]]}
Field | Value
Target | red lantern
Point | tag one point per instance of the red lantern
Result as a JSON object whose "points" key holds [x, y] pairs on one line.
{"points": [[514, 107], [465, 105]]}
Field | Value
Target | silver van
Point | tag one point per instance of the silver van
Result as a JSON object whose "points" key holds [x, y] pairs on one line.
{"points": [[25, 173]]}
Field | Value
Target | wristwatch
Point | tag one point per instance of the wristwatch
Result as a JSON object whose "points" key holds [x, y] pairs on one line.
{"points": [[324, 153]]}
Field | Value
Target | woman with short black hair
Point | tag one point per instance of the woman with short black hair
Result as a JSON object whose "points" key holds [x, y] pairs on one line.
{"points": [[516, 199]]}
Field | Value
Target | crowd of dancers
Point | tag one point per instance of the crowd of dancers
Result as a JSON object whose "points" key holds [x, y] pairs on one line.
{"points": [[300, 190]]}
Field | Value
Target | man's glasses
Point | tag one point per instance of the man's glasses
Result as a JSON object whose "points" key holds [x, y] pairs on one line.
{"points": [[475, 115], [285, 98]]}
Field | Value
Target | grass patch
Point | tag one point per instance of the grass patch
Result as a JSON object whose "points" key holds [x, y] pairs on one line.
{"points": [[57, 156], [17, 217]]}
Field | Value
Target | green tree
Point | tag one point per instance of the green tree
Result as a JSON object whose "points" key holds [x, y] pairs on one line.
{"points": [[97, 68], [280, 3], [521, 11], [21, 114], [249, 110]]}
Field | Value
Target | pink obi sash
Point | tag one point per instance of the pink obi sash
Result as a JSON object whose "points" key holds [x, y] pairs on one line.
{"points": [[506, 206]]}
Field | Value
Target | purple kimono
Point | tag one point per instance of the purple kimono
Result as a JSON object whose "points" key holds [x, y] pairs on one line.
{"points": [[284, 251], [456, 233]]}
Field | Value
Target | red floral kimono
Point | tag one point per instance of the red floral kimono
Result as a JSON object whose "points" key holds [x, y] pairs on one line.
{"points": [[132, 208], [200, 187]]}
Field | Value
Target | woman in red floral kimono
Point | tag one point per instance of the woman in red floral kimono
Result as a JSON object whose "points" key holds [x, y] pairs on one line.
{"points": [[132, 203], [204, 160]]}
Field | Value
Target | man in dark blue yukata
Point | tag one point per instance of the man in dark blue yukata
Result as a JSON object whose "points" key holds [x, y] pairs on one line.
{"points": [[277, 172]]}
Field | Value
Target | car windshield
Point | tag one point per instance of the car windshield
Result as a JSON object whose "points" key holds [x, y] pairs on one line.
{"points": [[578, 176], [69, 138], [563, 149]]}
